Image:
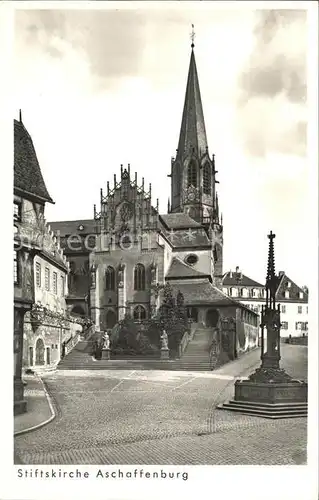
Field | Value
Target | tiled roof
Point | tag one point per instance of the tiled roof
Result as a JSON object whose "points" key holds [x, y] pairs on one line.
{"points": [[72, 226], [179, 220], [204, 293], [294, 290], [239, 280], [190, 238], [178, 269], [27, 173]]}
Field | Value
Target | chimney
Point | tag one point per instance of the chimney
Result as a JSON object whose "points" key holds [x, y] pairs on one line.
{"points": [[237, 269], [230, 273]]}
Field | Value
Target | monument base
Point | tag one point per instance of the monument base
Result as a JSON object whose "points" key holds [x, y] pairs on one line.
{"points": [[164, 353], [106, 354], [269, 399]]}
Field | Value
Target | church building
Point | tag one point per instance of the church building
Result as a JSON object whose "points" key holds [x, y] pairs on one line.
{"points": [[135, 249]]}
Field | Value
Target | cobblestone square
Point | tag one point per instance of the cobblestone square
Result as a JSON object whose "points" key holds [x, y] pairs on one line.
{"points": [[162, 417]]}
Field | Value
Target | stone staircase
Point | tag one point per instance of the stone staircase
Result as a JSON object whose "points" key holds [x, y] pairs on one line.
{"points": [[195, 358]]}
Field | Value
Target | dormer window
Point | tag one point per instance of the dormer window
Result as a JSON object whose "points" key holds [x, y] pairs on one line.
{"points": [[300, 295], [234, 292], [287, 294], [288, 284], [244, 292], [225, 291], [255, 293]]}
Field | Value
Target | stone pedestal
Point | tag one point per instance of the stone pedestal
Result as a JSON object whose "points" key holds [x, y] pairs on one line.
{"points": [[164, 353], [106, 353], [270, 394]]}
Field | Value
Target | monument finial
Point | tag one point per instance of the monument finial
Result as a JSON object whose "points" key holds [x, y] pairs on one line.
{"points": [[192, 35], [271, 275]]}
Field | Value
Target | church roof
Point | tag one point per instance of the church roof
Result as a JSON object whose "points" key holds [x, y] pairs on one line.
{"points": [[204, 293], [69, 227], [179, 221], [178, 269], [239, 279], [190, 238], [193, 132], [27, 172]]}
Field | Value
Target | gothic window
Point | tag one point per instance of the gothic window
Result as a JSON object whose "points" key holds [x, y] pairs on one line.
{"points": [[139, 313], [110, 278], [192, 175], [207, 179], [139, 277]]}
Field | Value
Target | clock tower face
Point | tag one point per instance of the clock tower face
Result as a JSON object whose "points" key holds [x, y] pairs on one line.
{"points": [[126, 212]]}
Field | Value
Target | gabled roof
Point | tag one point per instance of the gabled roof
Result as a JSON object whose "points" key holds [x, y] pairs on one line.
{"points": [[204, 293], [190, 238], [179, 269], [239, 279], [27, 173], [73, 226], [179, 221], [294, 290], [193, 132]]}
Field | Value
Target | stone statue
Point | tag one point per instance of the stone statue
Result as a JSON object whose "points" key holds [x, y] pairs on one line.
{"points": [[164, 339], [106, 339]]}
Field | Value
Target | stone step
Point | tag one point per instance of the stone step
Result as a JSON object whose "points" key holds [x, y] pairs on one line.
{"points": [[266, 410]]}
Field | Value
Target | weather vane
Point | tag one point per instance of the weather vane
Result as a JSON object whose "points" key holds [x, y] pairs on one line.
{"points": [[192, 35]]}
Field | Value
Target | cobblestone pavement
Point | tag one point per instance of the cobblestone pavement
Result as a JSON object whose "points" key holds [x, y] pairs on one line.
{"points": [[159, 417]]}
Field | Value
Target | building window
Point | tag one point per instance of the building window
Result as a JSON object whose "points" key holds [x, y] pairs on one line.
{"points": [[139, 313], [110, 278], [225, 291], [288, 284], [55, 283], [38, 274], [283, 309], [47, 279], [192, 175], [244, 292], [17, 211], [284, 325], [62, 286], [287, 294], [139, 277], [207, 179], [300, 295], [15, 267], [300, 325], [191, 259], [234, 292], [255, 293], [307, 309], [299, 309]]}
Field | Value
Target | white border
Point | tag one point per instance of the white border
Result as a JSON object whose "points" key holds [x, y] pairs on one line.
{"points": [[259, 482]]}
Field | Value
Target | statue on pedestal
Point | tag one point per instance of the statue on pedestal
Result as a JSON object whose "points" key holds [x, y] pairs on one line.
{"points": [[106, 339], [164, 339]]}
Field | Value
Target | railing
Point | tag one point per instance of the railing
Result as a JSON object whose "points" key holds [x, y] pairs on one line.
{"points": [[183, 344], [70, 343]]}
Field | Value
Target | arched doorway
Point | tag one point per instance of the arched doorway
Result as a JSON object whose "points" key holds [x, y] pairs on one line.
{"points": [[110, 319], [39, 352], [78, 310], [192, 314], [212, 317]]}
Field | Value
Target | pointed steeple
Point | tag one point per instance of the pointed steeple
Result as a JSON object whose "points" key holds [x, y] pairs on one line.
{"points": [[193, 132]]}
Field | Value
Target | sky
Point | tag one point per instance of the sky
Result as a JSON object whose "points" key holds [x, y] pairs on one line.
{"points": [[101, 88]]}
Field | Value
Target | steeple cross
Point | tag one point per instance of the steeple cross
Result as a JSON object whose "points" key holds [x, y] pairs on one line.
{"points": [[192, 35], [271, 236]]}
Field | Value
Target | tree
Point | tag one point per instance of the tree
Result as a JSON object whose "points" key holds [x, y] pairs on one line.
{"points": [[173, 317]]}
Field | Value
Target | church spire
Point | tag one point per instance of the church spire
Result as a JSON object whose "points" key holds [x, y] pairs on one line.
{"points": [[193, 133]]}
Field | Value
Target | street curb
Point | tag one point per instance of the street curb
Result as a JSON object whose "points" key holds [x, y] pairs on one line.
{"points": [[53, 414]]}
